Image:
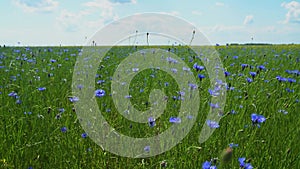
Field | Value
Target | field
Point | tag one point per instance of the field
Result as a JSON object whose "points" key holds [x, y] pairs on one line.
{"points": [[40, 129]]}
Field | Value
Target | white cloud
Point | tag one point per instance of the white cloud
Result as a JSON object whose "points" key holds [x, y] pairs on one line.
{"points": [[219, 4], [248, 19], [37, 5], [102, 11], [70, 21], [293, 14], [105, 6]]}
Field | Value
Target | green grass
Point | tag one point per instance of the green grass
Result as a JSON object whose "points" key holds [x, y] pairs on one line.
{"points": [[36, 139]]}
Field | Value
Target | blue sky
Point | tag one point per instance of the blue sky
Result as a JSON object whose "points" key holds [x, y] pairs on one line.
{"points": [[72, 22]]}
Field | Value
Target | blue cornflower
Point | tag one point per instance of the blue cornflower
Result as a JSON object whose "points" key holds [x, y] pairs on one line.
{"points": [[207, 165], [174, 70], [233, 112], [42, 88], [214, 106], [128, 96], [201, 76], [232, 145], [79, 86], [175, 120], [193, 86], [63, 129], [213, 92], [84, 135], [151, 121], [235, 57], [74, 99], [261, 67], [29, 113], [147, 148], [99, 93], [212, 124], [100, 81], [226, 73], [291, 80], [12, 94], [52, 60], [243, 164], [135, 69], [244, 66], [186, 69], [253, 74], [18, 101], [257, 119], [290, 90], [198, 67], [61, 110], [249, 80], [281, 79]]}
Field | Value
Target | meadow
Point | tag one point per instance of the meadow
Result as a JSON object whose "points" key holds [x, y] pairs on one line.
{"points": [[259, 125]]}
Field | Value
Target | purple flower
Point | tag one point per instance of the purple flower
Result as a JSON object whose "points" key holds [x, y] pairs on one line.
{"points": [[175, 120], [198, 67], [244, 66], [186, 69], [151, 121], [74, 99], [233, 112], [174, 70], [212, 124], [200, 76], [249, 80], [42, 88], [63, 129], [253, 74], [281, 79], [128, 96], [261, 67], [207, 165], [244, 165], [12, 94], [79, 86], [171, 60], [257, 119], [84, 135], [214, 106], [61, 110], [290, 90], [232, 145], [193, 86], [52, 60], [18, 101], [135, 69], [226, 73], [291, 80], [100, 81], [99, 93], [147, 148]]}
